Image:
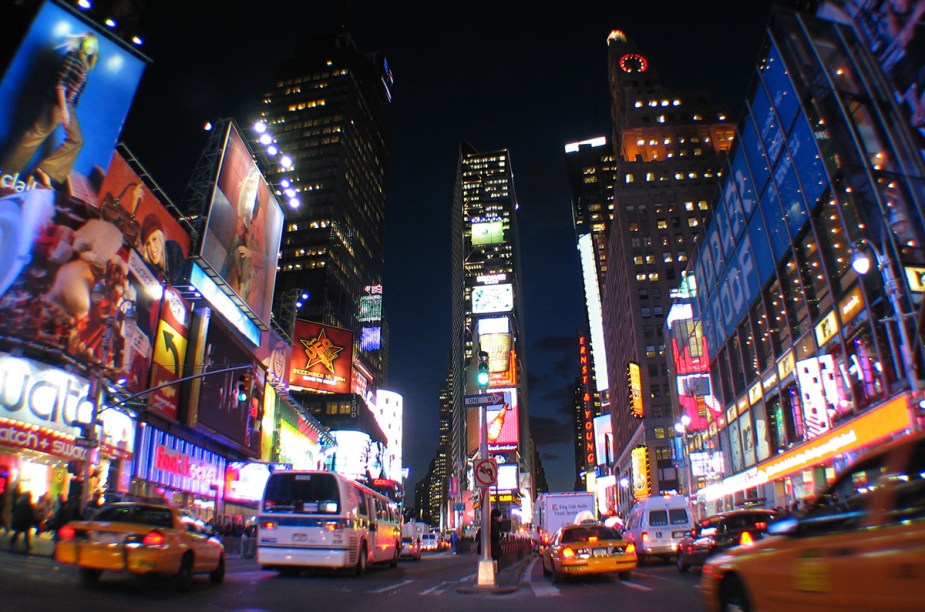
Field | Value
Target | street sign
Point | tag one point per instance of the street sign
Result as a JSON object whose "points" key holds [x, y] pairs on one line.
{"points": [[459, 507], [486, 472], [484, 399], [84, 443]]}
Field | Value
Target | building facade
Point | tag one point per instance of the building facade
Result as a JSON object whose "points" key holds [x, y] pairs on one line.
{"points": [[327, 111], [488, 317], [669, 151], [810, 361]]}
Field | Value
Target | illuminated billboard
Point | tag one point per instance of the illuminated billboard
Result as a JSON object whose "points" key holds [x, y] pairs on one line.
{"points": [[642, 484], [275, 353], [169, 357], [245, 480], [634, 384], [503, 420], [508, 474], [147, 226], [97, 79], [603, 436], [68, 278], [492, 298], [322, 357], [243, 230], [491, 232], [371, 338]]}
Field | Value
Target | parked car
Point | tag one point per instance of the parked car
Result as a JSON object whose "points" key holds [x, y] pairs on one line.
{"points": [[721, 532], [141, 539], [410, 549], [588, 549], [859, 545]]}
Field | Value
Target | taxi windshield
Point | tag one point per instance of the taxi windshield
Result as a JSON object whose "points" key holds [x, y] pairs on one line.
{"points": [[142, 515]]}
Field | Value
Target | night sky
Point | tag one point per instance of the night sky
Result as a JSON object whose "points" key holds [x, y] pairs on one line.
{"points": [[502, 74]]}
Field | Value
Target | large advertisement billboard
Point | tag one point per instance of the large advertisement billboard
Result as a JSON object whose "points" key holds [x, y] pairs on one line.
{"points": [[219, 407], [243, 230], [322, 357], [59, 141], [169, 359], [148, 228], [503, 420], [71, 284], [492, 298]]}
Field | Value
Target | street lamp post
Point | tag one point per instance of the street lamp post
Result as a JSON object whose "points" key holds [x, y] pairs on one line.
{"points": [[124, 311], [861, 265]]}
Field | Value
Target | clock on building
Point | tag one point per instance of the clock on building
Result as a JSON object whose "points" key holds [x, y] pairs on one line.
{"points": [[633, 62]]}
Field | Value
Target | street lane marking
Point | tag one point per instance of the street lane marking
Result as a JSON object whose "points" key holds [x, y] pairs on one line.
{"points": [[393, 587], [656, 576], [633, 585], [442, 586]]}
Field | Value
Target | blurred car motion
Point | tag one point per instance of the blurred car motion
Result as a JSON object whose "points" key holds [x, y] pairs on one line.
{"points": [[410, 549], [141, 539], [588, 549], [721, 532], [860, 545]]}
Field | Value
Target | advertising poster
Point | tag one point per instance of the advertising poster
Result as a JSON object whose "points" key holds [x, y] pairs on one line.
{"points": [[244, 227], [219, 407], [503, 420], [275, 353], [147, 226], [169, 358], [56, 251], [322, 357], [44, 143], [603, 437], [492, 298], [642, 486]]}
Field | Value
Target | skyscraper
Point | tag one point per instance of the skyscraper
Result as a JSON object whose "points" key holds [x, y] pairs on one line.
{"points": [[487, 313], [670, 150], [327, 111]]}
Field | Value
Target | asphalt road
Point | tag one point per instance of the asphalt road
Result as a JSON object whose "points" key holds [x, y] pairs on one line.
{"points": [[438, 581]]}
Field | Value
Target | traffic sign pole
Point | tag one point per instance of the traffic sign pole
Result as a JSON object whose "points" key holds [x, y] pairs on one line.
{"points": [[486, 574]]}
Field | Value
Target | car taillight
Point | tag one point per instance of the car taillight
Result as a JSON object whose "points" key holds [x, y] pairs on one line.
{"points": [[66, 533], [761, 525], [154, 538], [747, 539], [333, 526], [268, 525], [592, 539], [645, 536], [630, 548], [567, 553]]}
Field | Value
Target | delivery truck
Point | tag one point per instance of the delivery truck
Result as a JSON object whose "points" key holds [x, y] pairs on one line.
{"points": [[553, 510]]}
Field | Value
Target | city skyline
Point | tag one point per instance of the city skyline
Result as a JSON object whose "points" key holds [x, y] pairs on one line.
{"points": [[448, 89]]}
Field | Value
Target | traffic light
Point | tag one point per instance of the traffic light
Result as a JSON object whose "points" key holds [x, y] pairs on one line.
{"points": [[244, 387], [481, 375]]}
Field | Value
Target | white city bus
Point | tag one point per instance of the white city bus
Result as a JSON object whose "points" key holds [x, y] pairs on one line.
{"points": [[323, 519]]}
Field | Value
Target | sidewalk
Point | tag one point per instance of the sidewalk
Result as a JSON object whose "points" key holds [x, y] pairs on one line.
{"points": [[44, 546]]}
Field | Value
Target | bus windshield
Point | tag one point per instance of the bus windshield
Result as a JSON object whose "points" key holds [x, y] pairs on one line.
{"points": [[302, 494]]}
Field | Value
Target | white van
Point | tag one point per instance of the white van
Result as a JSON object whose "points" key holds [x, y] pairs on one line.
{"points": [[656, 525]]}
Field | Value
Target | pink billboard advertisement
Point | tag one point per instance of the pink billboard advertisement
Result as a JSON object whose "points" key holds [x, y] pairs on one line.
{"points": [[244, 227]]}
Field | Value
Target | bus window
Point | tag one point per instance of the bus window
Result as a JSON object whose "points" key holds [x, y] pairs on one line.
{"points": [[302, 493]]}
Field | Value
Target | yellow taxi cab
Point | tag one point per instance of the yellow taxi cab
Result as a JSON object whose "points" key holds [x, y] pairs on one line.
{"points": [[141, 539], [588, 548], [860, 545]]}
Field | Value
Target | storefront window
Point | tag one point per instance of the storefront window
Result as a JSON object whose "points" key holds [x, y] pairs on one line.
{"points": [[793, 412], [735, 445], [818, 296], [777, 319], [836, 248], [761, 429], [747, 431]]}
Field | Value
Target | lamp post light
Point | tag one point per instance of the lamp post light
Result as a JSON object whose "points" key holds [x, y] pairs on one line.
{"points": [[124, 312], [861, 265]]}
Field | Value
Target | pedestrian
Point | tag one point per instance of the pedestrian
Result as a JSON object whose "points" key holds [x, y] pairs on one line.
{"points": [[23, 520], [62, 515], [495, 535], [40, 511], [454, 541]]}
